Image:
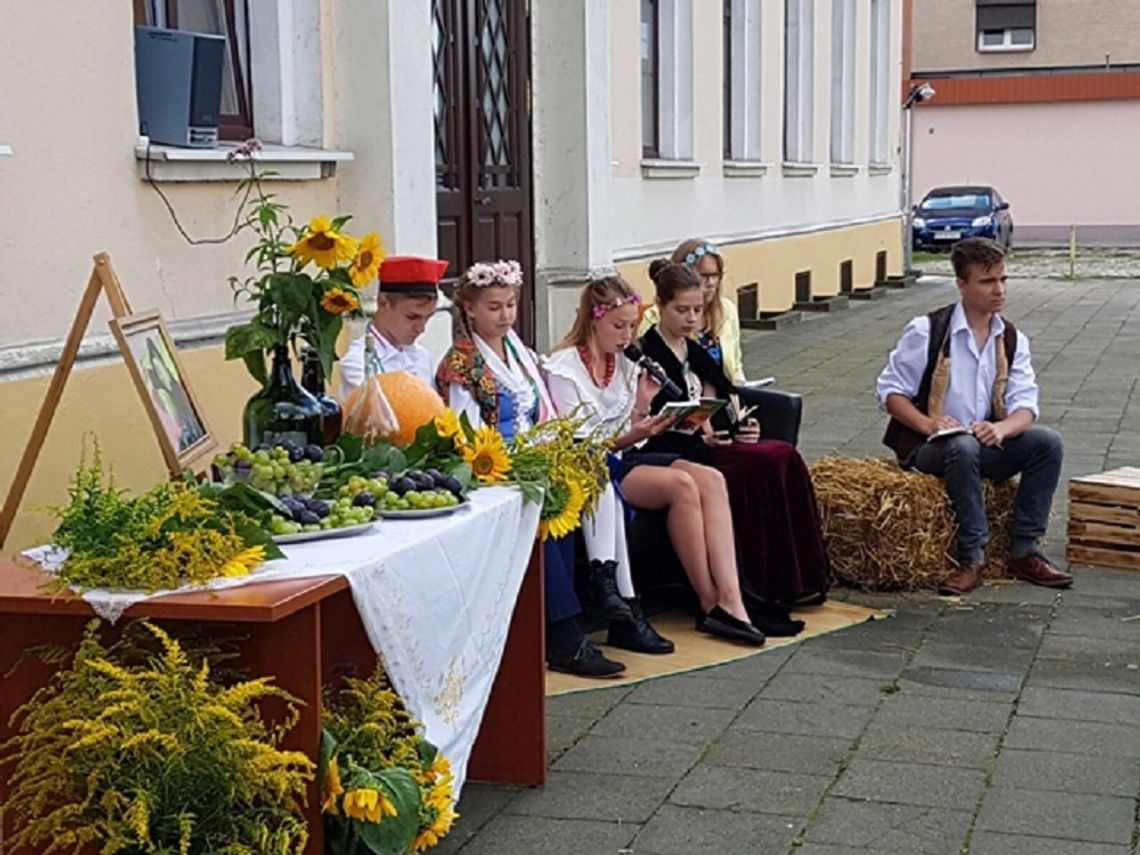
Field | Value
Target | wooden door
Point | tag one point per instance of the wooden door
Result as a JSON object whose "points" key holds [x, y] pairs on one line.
{"points": [[481, 52]]}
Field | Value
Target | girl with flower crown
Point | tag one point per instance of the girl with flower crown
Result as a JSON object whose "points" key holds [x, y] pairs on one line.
{"points": [[588, 370], [492, 377]]}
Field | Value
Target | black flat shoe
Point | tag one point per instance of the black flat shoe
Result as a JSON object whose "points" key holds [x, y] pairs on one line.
{"points": [[586, 661], [720, 623], [772, 619], [638, 634]]}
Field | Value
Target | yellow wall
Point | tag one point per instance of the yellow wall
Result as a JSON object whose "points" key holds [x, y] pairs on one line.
{"points": [[102, 400], [774, 262]]}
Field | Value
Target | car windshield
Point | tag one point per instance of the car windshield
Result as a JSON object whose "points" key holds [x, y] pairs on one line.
{"points": [[956, 202]]}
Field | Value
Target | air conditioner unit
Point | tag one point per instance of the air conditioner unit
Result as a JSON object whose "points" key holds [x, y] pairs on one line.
{"points": [[178, 79]]}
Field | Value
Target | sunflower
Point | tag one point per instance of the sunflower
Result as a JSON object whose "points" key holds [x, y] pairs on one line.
{"points": [[337, 301], [487, 456], [242, 563], [366, 265], [321, 243], [447, 426], [369, 805], [566, 520], [431, 835], [333, 788]]}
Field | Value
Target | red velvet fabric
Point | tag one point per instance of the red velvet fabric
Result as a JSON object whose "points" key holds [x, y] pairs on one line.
{"points": [[778, 543]]}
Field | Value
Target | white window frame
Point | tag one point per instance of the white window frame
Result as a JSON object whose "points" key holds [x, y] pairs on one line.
{"points": [[799, 80], [843, 82], [1007, 44], [745, 123], [880, 80], [675, 80]]}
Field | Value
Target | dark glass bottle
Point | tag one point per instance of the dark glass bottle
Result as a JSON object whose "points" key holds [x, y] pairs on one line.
{"points": [[282, 410], [313, 379]]}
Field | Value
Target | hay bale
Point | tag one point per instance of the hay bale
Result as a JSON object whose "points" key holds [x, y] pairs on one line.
{"points": [[890, 530]]}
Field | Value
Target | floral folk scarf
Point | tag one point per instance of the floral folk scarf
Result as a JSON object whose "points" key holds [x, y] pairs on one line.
{"points": [[465, 366]]}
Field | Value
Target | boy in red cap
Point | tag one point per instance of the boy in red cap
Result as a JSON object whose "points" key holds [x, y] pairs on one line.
{"points": [[406, 302]]}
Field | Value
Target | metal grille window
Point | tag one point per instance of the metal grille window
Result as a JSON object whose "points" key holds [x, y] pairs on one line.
{"points": [[1006, 25]]}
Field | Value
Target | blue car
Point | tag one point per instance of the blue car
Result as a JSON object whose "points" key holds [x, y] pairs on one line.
{"points": [[948, 214]]}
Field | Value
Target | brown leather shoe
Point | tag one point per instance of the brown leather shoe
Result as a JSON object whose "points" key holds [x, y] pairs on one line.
{"points": [[961, 581], [1033, 568]]}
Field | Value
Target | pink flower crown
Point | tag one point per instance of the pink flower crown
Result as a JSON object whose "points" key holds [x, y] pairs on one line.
{"points": [[604, 309], [500, 274]]}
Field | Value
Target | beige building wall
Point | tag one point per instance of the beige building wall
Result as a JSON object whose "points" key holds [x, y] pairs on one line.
{"points": [[1069, 33]]}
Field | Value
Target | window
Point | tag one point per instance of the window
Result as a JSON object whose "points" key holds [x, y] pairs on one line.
{"points": [[227, 18], [799, 27], [650, 112], [842, 81], [1006, 25], [880, 80], [742, 80]]}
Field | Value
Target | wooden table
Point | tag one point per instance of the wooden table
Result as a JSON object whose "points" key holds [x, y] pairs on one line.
{"points": [[302, 632]]}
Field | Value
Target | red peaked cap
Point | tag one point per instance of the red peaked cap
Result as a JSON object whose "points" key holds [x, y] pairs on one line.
{"points": [[411, 274]]}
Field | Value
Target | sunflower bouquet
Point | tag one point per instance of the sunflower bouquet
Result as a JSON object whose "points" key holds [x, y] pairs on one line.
{"points": [[384, 788], [308, 280]]}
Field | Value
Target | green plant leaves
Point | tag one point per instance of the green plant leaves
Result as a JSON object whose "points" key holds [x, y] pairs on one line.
{"points": [[394, 834]]}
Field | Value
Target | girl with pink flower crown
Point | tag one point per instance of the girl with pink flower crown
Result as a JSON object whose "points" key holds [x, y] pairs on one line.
{"points": [[492, 377]]}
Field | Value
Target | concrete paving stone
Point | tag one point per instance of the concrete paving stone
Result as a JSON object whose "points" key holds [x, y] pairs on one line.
{"points": [[989, 843], [944, 713], [1068, 773], [594, 703], [1000, 625], [586, 795], [754, 669], [652, 721], [911, 784], [1070, 816], [617, 756], [695, 690], [924, 744], [1010, 592], [839, 849], [478, 805], [759, 790], [1095, 674], [1079, 647], [1073, 737], [779, 752], [965, 684], [1104, 582], [823, 688], [938, 651], [1080, 706], [861, 826], [677, 830], [562, 731], [526, 835], [823, 719], [847, 663]]}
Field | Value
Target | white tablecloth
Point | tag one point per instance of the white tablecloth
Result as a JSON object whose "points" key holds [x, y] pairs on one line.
{"points": [[435, 597]]}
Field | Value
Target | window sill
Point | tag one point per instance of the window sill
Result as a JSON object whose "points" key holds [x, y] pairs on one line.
{"points": [[659, 168], [844, 170], [1006, 48], [744, 169], [289, 163], [799, 170], [5, 150], [880, 169]]}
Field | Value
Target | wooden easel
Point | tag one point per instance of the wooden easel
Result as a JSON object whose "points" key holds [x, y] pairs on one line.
{"points": [[103, 279]]}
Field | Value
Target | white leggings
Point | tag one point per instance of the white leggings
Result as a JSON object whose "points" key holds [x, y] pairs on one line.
{"points": [[604, 533]]}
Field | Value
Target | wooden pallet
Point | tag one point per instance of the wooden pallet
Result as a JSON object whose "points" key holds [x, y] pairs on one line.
{"points": [[1104, 519]]}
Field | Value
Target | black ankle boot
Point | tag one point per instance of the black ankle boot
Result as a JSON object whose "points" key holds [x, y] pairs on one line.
{"points": [[603, 587], [637, 634], [586, 660]]}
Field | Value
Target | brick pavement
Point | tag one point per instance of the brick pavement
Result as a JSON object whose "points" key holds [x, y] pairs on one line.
{"points": [[1005, 724]]}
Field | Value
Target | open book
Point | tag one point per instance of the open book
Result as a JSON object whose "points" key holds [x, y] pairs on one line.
{"points": [[691, 415], [945, 432]]}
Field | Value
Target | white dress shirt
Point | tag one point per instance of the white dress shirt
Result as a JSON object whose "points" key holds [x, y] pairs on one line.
{"points": [[972, 373], [574, 391], [414, 359]]}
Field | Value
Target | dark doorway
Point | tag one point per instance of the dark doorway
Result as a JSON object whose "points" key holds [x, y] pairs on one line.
{"points": [[481, 51]]}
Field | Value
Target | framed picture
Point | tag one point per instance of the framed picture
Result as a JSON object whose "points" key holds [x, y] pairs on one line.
{"points": [[165, 390]]}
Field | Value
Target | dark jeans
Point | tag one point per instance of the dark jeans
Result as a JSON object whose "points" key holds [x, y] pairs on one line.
{"points": [[962, 462]]}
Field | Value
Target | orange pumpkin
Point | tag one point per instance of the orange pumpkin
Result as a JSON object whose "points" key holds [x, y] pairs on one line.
{"points": [[413, 402]]}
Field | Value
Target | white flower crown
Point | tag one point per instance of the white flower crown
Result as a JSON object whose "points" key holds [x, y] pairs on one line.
{"points": [[501, 273]]}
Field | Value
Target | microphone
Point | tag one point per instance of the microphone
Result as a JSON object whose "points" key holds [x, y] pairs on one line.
{"points": [[633, 354]]}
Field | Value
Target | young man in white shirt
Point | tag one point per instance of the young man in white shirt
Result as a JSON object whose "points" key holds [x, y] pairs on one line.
{"points": [[405, 303], [964, 372]]}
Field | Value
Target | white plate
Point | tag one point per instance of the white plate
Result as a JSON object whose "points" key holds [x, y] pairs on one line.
{"points": [[421, 513], [325, 533], [951, 235]]}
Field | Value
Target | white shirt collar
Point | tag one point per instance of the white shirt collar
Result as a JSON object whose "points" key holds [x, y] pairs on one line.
{"points": [[958, 322]]}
